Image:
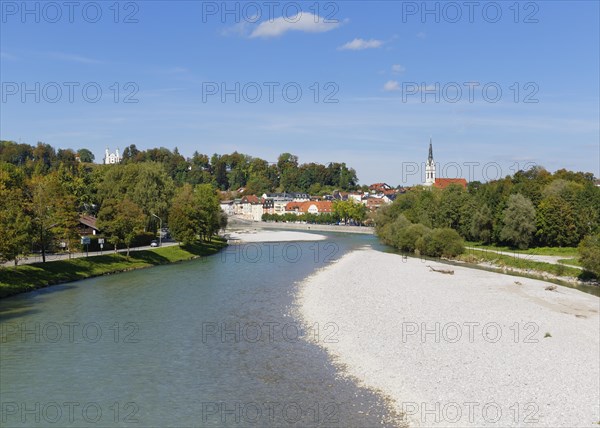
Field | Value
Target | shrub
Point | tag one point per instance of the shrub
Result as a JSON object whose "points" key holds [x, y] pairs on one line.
{"points": [[440, 242]]}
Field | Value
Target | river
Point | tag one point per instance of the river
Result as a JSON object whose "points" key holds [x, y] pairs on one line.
{"points": [[211, 342]]}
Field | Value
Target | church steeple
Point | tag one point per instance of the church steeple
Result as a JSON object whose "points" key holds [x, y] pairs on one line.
{"points": [[430, 158], [430, 167]]}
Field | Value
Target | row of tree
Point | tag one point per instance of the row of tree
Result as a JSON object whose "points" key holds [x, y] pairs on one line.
{"points": [[531, 208], [225, 172], [41, 205]]}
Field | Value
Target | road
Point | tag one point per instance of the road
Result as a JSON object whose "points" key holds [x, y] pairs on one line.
{"points": [[37, 258]]}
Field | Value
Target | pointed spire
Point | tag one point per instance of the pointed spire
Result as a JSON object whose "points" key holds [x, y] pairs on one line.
{"points": [[430, 158]]}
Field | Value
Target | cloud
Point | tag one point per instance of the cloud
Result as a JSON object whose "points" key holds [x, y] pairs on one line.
{"points": [[303, 21], [391, 85], [397, 69], [361, 44], [61, 56]]}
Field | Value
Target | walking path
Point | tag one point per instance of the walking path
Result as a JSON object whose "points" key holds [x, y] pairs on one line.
{"points": [[52, 257]]}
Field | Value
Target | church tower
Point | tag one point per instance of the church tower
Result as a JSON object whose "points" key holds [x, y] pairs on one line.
{"points": [[430, 167]]}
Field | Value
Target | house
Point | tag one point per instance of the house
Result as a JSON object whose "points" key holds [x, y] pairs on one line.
{"points": [[379, 187], [375, 203], [227, 207], [87, 225], [442, 183], [309, 207]]}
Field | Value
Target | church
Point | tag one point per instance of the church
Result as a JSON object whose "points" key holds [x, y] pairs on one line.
{"points": [[111, 158], [439, 183]]}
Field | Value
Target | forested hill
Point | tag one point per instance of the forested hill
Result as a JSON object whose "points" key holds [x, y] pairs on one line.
{"points": [[225, 172]]}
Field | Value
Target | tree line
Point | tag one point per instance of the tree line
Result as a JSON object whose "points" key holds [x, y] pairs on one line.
{"points": [[43, 192], [530, 208]]}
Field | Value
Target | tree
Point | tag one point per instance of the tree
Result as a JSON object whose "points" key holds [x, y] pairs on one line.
{"points": [[85, 155], [518, 221], [482, 224], [184, 216], [556, 223], [589, 253], [209, 210], [122, 221], [15, 225]]}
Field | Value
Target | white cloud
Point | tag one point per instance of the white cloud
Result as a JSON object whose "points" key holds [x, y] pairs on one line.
{"points": [[360, 44], [397, 69], [391, 85], [303, 21]]}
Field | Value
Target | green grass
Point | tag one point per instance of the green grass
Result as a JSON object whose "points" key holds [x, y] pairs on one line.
{"points": [[574, 261], [38, 275], [521, 263], [540, 251]]}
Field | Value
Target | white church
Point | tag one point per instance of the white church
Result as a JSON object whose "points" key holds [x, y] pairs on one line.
{"points": [[111, 158], [440, 183]]}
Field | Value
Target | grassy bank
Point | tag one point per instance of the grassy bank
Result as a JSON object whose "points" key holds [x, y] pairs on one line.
{"points": [[38, 275], [520, 263], [567, 252]]}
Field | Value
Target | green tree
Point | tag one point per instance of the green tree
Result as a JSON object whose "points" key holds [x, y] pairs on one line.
{"points": [[482, 224], [556, 222], [121, 220], [589, 253], [85, 155], [518, 221], [15, 225], [184, 216]]}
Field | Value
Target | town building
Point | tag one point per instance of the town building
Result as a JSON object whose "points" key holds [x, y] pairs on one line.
{"points": [[439, 183], [111, 158]]}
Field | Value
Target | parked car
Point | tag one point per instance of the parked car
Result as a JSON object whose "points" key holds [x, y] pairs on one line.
{"points": [[154, 243]]}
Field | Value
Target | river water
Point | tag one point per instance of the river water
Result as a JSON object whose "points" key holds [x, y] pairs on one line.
{"points": [[211, 342]]}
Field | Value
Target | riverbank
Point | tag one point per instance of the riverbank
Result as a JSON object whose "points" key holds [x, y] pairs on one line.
{"points": [[433, 342], [39, 275], [254, 235], [235, 222]]}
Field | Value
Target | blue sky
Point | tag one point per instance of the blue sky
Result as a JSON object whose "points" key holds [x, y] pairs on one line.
{"points": [[384, 63]]}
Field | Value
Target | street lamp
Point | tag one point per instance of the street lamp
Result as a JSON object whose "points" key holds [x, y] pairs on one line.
{"points": [[159, 231]]}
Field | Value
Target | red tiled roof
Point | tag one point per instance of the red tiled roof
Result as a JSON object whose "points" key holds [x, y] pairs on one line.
{"points": [[251, 199], [442, 183]]}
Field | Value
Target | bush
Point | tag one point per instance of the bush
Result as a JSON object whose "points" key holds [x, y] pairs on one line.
{"points": [[589, 254], [406, 239], [442, 242]]}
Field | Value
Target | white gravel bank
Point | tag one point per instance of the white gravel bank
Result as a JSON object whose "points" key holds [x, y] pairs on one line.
{"points": [[273, 236], [460, 350]]}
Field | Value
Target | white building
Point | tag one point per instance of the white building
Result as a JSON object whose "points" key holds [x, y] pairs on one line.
{"points": [[111, 158], [430, 168]]}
